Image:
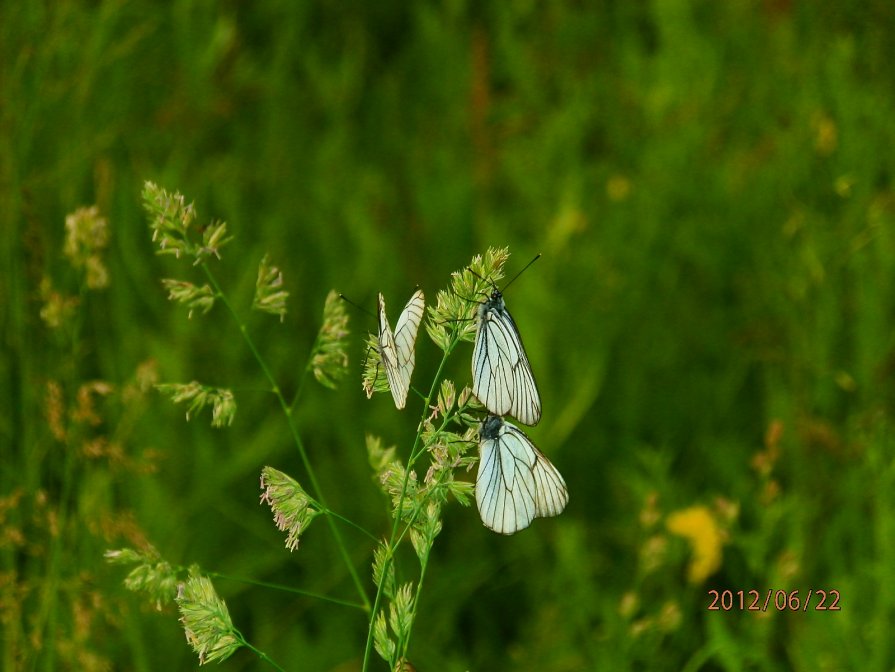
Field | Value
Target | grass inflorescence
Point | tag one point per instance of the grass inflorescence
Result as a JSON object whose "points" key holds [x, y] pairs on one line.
{"points": [[446, 431]]}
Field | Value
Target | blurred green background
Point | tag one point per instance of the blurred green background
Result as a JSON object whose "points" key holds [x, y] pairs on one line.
{"points": [[711, 185]]}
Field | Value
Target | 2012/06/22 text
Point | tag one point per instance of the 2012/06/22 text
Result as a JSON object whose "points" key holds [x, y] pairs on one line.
{"points": [[779, 600]]}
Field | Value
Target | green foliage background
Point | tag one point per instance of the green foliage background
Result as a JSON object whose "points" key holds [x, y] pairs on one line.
{"points": [[711, 185]]}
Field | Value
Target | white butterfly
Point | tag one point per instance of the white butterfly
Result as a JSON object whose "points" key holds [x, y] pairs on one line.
{"points": [[397, 349], [501, 375], [516, 482]]}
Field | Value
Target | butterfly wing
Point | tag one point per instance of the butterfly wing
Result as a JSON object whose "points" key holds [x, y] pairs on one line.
{"points": [[516, 482], [501, 373], [397, 349], [406, 329], [388, 353]]}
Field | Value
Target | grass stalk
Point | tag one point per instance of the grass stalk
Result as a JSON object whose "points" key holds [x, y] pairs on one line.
{"points": [[296, 436]]}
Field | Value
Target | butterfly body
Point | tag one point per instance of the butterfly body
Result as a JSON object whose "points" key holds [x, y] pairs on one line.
{"points": [[516, 483], [501, 374]]}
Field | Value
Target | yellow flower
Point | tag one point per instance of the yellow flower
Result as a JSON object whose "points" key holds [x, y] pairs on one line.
{"points": [[700, 528]]}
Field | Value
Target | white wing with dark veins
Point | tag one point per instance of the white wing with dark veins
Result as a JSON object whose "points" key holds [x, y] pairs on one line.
{"points": [[501, 374], [516, 483], [396, 349]]}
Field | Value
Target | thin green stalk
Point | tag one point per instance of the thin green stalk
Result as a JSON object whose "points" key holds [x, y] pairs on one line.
{"points": [[275, 388], [258, 652], [46, 620], [288, 589], [414, 454], [403, 645], [347, 521], [304, 374]]}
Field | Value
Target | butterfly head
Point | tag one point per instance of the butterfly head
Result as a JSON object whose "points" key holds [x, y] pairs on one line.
{"points": [[491, 427], [493, 302]]}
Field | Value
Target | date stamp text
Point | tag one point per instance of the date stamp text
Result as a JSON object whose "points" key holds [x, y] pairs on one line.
{"points": [[774, 600]]}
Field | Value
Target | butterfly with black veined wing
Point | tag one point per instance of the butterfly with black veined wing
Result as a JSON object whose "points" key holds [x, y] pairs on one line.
{"points": [[501, 374], [516, 483], [396, 349]]}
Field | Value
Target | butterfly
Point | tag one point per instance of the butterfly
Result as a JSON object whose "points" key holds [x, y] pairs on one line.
{"points": [[501, 375], [516, 482], [397, 349]]}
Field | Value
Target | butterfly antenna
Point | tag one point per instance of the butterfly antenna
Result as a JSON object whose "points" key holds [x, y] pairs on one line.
{"points": [[488, 280], [524, 268], [363, 367], [356, 305]]}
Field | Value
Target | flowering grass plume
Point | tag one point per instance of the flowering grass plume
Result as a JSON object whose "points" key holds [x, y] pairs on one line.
{"points": [[206, 620], [329, 358], [270, 297], [192, 296], [292, 509], [56, 309], [446, 436], [384, 570], [418, 503], [394, 481], [455, 308], [373, 378], [400, 622], [447, 449], [86, 236], [223, 405], [170, 220], [152, 574]]}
